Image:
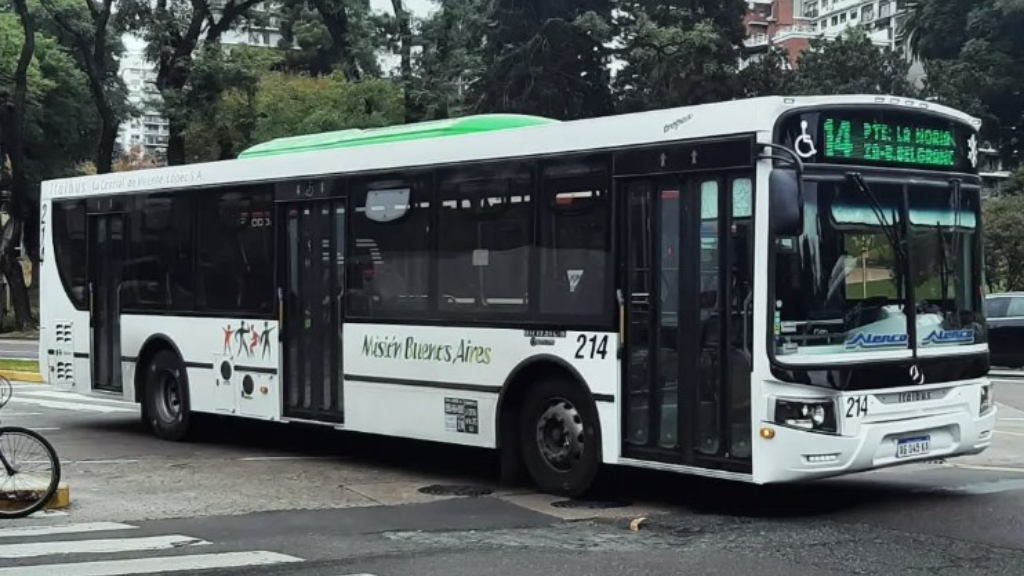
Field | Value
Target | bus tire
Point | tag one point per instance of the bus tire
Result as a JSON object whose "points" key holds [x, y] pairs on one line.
{"points": [[559, 435], [166, 399]]}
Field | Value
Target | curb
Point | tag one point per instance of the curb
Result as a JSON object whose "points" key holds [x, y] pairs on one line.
{"points": [[61, 499], [16, 376]]}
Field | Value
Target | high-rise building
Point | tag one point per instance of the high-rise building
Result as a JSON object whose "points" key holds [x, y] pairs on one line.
{"points": [[792, 24], [146, 134]]}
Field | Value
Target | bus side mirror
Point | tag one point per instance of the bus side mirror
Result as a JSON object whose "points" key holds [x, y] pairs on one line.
{"points": [[786, 203]]}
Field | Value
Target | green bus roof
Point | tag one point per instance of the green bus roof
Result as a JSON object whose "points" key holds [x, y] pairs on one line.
{"points": [[400, 133]]}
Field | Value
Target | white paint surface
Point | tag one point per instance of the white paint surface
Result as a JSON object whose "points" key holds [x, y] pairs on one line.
{"points": [[154, 565]]}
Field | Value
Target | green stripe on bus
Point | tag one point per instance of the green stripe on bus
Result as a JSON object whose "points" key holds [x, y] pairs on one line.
{"points": [[401, 133]]}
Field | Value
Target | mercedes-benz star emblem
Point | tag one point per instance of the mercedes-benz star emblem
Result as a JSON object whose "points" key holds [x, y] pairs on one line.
{"points": [[916, 375]]}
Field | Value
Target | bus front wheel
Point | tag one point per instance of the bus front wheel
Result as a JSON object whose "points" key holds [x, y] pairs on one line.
{"points": [[559, 437], [167, 399]]}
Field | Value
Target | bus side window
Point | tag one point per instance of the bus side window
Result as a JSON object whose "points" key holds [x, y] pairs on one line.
{"points": [[575, 239], [394, 217]]}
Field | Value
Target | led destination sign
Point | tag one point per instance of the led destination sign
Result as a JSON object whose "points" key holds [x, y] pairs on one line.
{"points": [[880, 136], [888, 142]]}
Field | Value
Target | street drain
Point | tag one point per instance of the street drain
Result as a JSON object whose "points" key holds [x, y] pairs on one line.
{"points": [[590, 504], [441, 490]]}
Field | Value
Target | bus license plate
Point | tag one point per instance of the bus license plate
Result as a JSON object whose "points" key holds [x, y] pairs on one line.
{"points": [[917, 446]]}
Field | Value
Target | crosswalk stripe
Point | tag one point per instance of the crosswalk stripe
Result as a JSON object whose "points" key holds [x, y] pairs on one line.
{"points": [[154, 565], [77, 407], [107, 546], [70, 396], [23, 531]]}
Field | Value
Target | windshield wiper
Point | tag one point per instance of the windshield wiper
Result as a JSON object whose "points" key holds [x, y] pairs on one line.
{"points": [[889, 229]]}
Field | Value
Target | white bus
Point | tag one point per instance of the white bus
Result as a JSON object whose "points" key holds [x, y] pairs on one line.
{"points": [[765, 290]]}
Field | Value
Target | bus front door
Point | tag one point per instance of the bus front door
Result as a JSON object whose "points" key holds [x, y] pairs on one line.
{"points": [[313, 280], [106, 256], [675, 301]]}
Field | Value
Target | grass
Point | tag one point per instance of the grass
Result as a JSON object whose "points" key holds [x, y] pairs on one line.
{"points": [[19, 365]]}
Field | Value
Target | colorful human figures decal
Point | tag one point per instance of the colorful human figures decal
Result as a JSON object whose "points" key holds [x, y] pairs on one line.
{"points": [[247, 339]]}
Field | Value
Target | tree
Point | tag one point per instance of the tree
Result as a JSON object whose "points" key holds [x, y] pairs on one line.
{"points": [[88, 26], [282, 105], [13, 109], [1004, 243], [451, 59], [677, 52], [546, 57], [175, 31], [852, 64], [329, 36], [769, 75], [980, 43]]}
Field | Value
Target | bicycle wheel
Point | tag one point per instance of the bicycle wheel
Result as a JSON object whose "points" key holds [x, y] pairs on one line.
{"points": [[6, 391], [29, 472]]}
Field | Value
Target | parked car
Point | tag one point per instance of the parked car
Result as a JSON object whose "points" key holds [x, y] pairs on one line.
{"points": [[1005, 314]]}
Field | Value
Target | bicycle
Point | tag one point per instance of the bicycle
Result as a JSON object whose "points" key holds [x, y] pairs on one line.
{"points": [[24, 489]]}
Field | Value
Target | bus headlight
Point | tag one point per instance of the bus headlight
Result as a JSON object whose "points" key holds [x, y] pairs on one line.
{"points": [[986, 399], [815, 415]]}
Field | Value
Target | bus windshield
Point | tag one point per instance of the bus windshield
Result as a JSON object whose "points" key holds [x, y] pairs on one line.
{"points": [[845, 284]]}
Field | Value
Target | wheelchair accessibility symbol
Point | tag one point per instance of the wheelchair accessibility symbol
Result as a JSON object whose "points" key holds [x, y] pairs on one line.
{"points": [[804, 144]]}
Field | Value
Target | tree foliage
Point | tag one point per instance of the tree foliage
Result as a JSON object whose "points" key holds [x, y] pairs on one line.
{"points": [[852, 64], [176, 31], [329, 36], [279, 105], [974, 53], [1004, 242], [87, 28], [546, 57]]}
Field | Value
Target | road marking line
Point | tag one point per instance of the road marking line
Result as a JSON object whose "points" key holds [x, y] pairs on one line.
{"points": [[987, 468], [111, 461], [72, 407], [21, 531], [106, 546], [1021, 434], [54, 429], [268, 458], [6, 414], [154, 565], [70, 396]]}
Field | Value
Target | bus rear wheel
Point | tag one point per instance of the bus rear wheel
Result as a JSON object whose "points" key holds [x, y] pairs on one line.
{"points": [[559, 437], [167, 399]]}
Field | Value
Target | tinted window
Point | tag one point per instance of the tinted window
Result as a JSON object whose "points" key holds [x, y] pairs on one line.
{"points": [[391, 260], [236, 250], [575, 237], [158, 272], [1016, 309], [996, 307], [485, 239], [69, 247]]}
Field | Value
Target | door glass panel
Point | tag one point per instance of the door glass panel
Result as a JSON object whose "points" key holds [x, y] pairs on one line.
{"points": [[709, 368], [107, 238], [640, 338], [741, 281], [314, 238], [668, 330]]}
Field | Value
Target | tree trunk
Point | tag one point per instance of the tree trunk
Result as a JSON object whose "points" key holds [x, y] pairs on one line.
{"points": [[405, 49], [176, 143], [15, 142]]}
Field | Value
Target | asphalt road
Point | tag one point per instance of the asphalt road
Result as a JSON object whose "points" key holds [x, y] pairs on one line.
{"points": [[19, 349], [260, 499]]}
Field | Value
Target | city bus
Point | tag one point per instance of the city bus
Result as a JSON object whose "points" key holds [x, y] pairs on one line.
{"points": [[764, 290]]}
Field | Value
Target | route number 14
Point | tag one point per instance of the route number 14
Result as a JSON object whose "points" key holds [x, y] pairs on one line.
{"points": [[592, 346]]}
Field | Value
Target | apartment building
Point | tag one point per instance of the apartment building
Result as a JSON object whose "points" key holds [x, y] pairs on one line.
{"points": [[792, 24], [146, 134]]}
